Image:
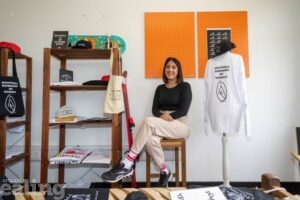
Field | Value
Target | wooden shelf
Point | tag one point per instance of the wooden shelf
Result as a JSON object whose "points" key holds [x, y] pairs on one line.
{"points": [[81, 53], [15, 124], [63, 55], [78, 87], [15, 158], [103, 121], [18, 56], [5, 125]]}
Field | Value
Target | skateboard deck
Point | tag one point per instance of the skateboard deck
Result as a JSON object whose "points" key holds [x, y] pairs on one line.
{"points": [[99, 41]]}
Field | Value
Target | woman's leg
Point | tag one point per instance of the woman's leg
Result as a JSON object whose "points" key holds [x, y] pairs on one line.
{"points": [[156, 126], [152, 126], [164, 129], [154, 150], [151, 131]]}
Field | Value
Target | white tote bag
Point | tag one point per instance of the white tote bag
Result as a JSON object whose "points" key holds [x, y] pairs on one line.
{"points": [[114, 102]]}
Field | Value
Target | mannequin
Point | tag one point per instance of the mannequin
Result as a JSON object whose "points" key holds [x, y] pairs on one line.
{"points": [[226, 101]]}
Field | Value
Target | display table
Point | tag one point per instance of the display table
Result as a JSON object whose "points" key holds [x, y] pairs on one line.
{"points": [[268, 182]]}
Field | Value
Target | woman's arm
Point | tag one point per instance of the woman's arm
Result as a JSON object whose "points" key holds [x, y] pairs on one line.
{"points": [[155, 105], [185, 101]]}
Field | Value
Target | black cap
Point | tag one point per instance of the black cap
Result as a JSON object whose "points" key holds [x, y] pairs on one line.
{"points": [[95, 82], [82, 44], [223, 46]]}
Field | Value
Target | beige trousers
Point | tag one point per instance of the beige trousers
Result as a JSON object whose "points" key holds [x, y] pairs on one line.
{"points": [[153, 130]]}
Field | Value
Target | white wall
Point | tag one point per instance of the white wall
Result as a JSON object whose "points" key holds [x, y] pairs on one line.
{"points": [[272, 87]]}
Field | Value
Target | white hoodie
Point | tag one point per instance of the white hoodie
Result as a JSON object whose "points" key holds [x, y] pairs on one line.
{"points": [[226, 98]]}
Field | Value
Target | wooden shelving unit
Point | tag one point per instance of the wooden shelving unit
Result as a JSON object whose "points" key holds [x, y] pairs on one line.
{"points": [[63, 55], [5, 125]]}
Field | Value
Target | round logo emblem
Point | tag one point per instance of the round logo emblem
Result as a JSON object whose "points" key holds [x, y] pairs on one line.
{"points": [[10, 104], [221, 91]]}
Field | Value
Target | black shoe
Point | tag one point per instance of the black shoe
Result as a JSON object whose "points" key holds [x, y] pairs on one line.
{"points": [[165, 178], [117, 173]]}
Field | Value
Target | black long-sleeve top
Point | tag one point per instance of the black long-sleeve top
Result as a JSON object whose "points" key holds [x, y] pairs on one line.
{"points": [[177, 99]]}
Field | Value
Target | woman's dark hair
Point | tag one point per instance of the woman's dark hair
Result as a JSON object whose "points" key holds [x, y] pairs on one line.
{"points": [[179, 75]]}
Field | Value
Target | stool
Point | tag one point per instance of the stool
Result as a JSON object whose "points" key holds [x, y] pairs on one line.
{"points": [[170, 143]]}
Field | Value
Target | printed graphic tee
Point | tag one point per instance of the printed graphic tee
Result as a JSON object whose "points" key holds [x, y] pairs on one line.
{"points": [[226, 101]]}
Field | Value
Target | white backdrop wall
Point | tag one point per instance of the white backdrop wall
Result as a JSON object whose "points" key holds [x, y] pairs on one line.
{"points": [[273, 85]]}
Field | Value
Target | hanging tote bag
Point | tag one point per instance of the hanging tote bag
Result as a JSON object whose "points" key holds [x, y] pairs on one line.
{"points": [[114, 102], [11, 101]]}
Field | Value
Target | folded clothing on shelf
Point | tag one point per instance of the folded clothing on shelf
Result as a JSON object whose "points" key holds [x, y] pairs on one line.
{"points": [[70, 155]]}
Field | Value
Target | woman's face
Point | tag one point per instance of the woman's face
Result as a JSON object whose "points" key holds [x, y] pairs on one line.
{"points": [[171, 71]]}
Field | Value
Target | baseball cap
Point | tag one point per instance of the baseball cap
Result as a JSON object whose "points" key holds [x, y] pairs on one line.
{"points": [[82, 44], [104, 81], [65, 114], [65, 111], [105, 78], [223, 46], [14, 47]]}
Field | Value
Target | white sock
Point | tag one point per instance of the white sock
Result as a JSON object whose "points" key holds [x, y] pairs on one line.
{"points": [[127, 163], [129, 159]]}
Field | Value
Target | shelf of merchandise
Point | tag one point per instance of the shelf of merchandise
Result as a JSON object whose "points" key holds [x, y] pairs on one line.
{"points": [[5, 124], [63, 55]]}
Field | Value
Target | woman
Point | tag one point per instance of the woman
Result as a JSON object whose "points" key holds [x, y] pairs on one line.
{"points": [[171, 103]]}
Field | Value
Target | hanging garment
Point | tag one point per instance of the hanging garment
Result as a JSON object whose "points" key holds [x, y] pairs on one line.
{"points": [[226, 99]]}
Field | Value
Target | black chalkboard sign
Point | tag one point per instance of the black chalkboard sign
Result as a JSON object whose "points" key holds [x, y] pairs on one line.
{"points": [[215, 36], [60, 39], [65, 75]]}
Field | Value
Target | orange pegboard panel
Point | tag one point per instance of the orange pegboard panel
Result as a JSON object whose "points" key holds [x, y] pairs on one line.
{"points": [[169, 34], [236, 21]]}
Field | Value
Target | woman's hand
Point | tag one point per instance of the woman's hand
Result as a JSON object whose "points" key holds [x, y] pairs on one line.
{"points": [[166, 117]]}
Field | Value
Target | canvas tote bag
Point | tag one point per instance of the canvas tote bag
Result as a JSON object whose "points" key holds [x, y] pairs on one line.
{"points": [[114, 101], [11, 101]]}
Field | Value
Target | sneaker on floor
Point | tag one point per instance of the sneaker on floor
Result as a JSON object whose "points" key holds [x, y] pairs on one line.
{"points": [[165, 178], [117, 173]]}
